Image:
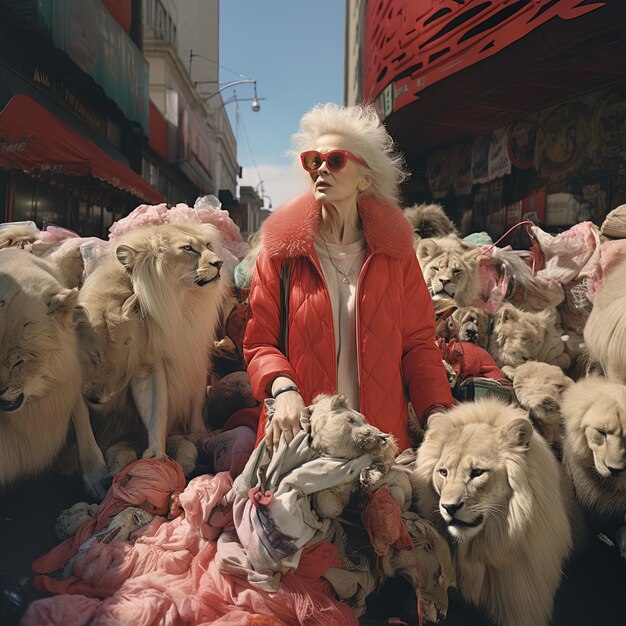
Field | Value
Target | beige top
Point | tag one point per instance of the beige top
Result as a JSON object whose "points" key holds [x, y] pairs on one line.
{"points": [[341, 266]]}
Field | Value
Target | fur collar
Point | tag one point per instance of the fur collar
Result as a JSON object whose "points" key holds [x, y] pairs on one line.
{"points": [[289, 231]]}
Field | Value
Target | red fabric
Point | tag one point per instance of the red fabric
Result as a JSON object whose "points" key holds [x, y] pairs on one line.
{"points": [[382, 519], [395, 317], [315, 560], [243, 417], [478, 362], [152, 484], [36, 141]]}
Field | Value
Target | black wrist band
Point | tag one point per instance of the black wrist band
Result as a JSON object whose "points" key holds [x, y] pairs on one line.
{"points": [[284, 389]]}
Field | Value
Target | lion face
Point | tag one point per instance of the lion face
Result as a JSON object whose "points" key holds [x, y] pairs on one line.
{"points": [[472, 325], [187, 254], [34, 318], [471, 456], [596, 422], [341, 432], [450, 269], [516, 336], [471, 481]]}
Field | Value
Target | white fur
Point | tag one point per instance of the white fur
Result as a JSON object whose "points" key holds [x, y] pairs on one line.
{"points": [[595, 424], [340, 432], [538, 389], [519, 336], [39, 366], [605, 329], [510, 535], [156, 327]]}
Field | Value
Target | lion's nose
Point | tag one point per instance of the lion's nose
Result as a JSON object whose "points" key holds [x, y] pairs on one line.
{"points": [[218, 264], [444, 281], [453, 507], [615, 471]]}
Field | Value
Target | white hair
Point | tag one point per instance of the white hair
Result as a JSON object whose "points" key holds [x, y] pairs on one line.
{"points": [[365, 136]]}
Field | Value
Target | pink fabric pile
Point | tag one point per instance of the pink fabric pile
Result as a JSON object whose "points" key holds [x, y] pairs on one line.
{"points": [[169, 574]]}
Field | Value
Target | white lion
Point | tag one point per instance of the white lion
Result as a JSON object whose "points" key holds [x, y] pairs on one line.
{"points": [[40, 374], [539, 388], [338, 431], [450, 268], [605, 329], [147, 325], [519, 336], [484, 476], [595, 448]]}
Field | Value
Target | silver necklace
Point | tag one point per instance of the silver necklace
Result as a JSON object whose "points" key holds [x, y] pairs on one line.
{"points": [[346, 275]]}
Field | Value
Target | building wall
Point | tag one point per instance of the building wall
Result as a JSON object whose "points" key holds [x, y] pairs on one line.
{"points": [[181, 43], [355, 11]]}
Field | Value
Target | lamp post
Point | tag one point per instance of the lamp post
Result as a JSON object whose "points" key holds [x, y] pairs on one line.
{"points": [[256, 106]]}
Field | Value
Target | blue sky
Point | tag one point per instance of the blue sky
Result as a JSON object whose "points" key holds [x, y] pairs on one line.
{"points": [[294, 49]]}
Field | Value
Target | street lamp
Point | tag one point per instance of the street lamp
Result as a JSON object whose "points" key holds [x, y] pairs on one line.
{"points": [[256, 106]]}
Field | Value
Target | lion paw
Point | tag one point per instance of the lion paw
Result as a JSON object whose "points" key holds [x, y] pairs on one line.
{"points": [[153, 453]]}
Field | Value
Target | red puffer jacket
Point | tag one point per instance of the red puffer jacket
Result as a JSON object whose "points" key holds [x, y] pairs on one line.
{"points": [[395, 318]]}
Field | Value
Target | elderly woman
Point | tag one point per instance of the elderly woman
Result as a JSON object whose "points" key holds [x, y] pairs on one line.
{"points": [[360, 320]]}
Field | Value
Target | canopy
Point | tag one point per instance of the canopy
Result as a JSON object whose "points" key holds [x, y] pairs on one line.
{"points": [[34, 140]]}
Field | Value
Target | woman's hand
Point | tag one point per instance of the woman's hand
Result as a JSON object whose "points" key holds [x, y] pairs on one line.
{"points": [[286, 419]]}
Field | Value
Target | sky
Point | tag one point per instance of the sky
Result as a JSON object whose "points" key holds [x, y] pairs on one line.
{"points": [[294, 49]]}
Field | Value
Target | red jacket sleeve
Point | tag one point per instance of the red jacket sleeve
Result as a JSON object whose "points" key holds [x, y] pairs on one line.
{"points": [[422, 366], [260, 344]]}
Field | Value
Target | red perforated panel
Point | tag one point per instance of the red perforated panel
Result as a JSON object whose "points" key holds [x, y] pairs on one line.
{"points": [[410, 45]]}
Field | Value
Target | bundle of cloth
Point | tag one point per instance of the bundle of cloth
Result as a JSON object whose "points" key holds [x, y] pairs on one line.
{"points": [[250, 552]]}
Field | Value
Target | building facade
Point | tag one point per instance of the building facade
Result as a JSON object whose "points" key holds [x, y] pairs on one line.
{"points": [[107, 104], [74, 110], [504, 110]]}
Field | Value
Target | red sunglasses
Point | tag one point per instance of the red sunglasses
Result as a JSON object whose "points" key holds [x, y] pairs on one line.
{"points": [[335, 159]]}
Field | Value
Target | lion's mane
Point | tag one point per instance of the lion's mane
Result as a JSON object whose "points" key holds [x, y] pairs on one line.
{"points": [[152, 307], [594, 449], [511, 564]]}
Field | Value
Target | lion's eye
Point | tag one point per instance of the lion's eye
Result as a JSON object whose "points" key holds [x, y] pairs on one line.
{"points": [[601, 432], [17, 363], [187, 248], [456, 272], [351, 420], [443, 471], [94, 357], [208, 246], [434, 269], [476, 472]]}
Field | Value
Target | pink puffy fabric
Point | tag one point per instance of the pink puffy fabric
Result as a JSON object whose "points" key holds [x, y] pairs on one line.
{"points": [[570, 255], [171, 577], [612, 253], [56, 233], [153, 484], [203, 212]]}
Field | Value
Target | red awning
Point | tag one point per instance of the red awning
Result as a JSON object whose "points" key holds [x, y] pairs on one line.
{"points": [[34, 140]]}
